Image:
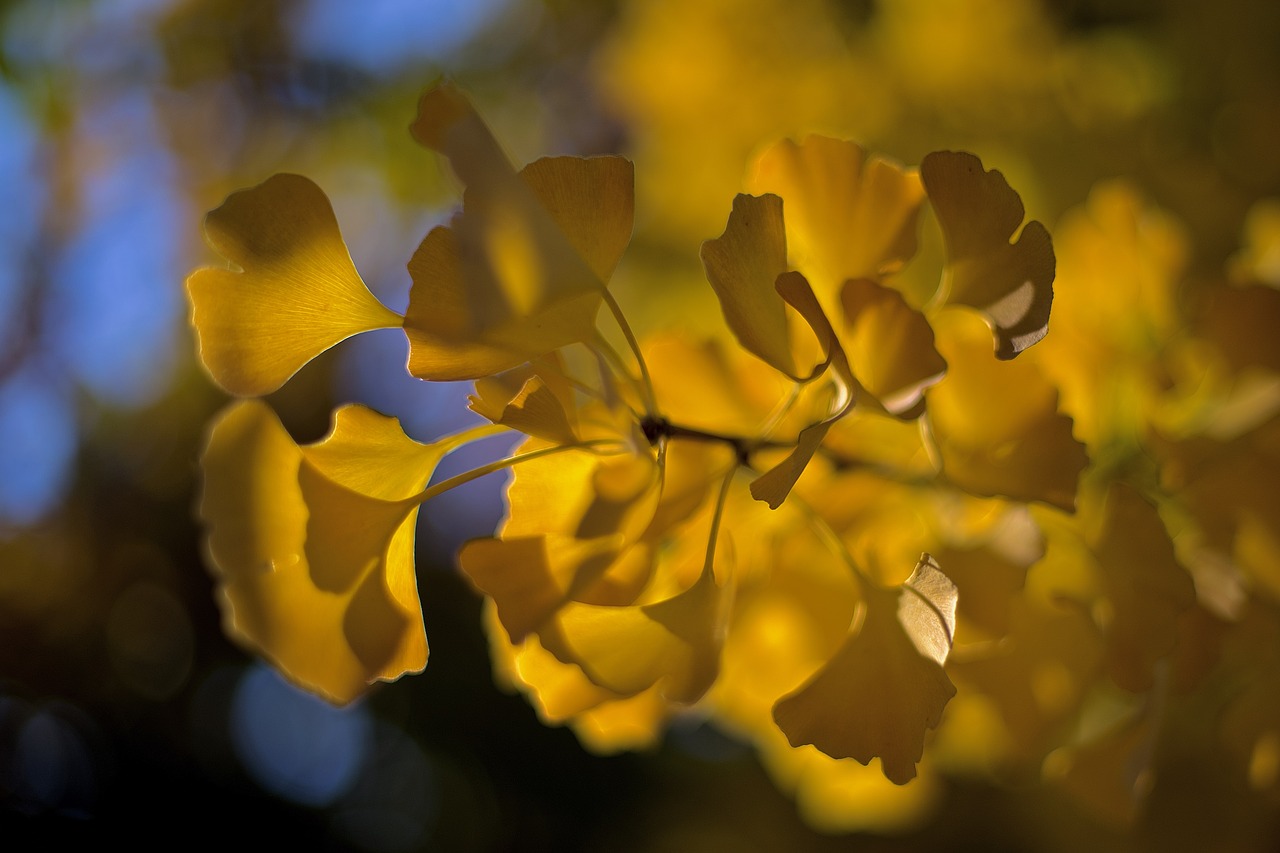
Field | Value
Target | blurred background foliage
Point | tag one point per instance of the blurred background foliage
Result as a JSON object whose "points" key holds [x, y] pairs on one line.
{"points": [[125, 712]]}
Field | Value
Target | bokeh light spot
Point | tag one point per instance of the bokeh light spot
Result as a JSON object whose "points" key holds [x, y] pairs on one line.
{"points": [[37, 447], [294, 744]]}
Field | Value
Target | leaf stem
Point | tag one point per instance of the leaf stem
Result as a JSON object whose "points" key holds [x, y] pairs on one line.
{"points": [[716, 517], [650, 403], [832, 540], [500, 464]]}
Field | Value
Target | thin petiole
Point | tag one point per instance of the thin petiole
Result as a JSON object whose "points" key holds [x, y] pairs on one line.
{"points": [[650, 404], [716, 517], [499, 464], [780, 410], [832, 540]]}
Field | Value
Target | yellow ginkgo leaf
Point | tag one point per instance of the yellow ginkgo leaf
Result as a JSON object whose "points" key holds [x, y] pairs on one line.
{"points": [[885, 686], [742, 265], [1010, 283], [673, 644], [996, 425], [530, 578], [592, 201], [848, 215], [534, 409], [521, 271], [304, 580], [290, 291], [889, 346], [774, 485], [604, 722]]}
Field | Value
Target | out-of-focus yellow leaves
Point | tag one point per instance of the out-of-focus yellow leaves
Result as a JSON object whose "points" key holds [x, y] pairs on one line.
{"points": [[885, 686], [290, 291], [1111, 774], [848, 215], [333, 627], [1010, 283], [1039, 674], [1250, 724], [996, 424], [1259, 258], [522, 270], [1146, 588], [1227, 486]]}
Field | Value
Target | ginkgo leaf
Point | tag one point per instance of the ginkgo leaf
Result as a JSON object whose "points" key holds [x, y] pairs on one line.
{"points": [[360, 484], [885, 686], [774, 485], [673, 643], [521, 271], [996, 425], [534, 409], [592, 200], [848, 215], [889, 346], [290, 292], [530, 578], [1010, 283], [603, 721], [333, 638], [742, 266]]}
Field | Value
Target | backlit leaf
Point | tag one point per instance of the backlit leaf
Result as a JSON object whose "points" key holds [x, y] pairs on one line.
{"points": [[774, 485], [742, 266], [848, 215], [1010, 283], [885, 686], [521, 271], [350, 614], [889, 346], [290, 291], [674, 643], [996, 424]]}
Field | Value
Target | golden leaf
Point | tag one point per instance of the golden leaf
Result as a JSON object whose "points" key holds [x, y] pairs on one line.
{"points": [[885, 686], [1011, 284], [848, 215], [313, 546], [292, 291]]}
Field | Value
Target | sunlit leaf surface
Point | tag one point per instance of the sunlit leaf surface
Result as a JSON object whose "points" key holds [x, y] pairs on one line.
{"points": [[290, 293], [312, 547]]}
